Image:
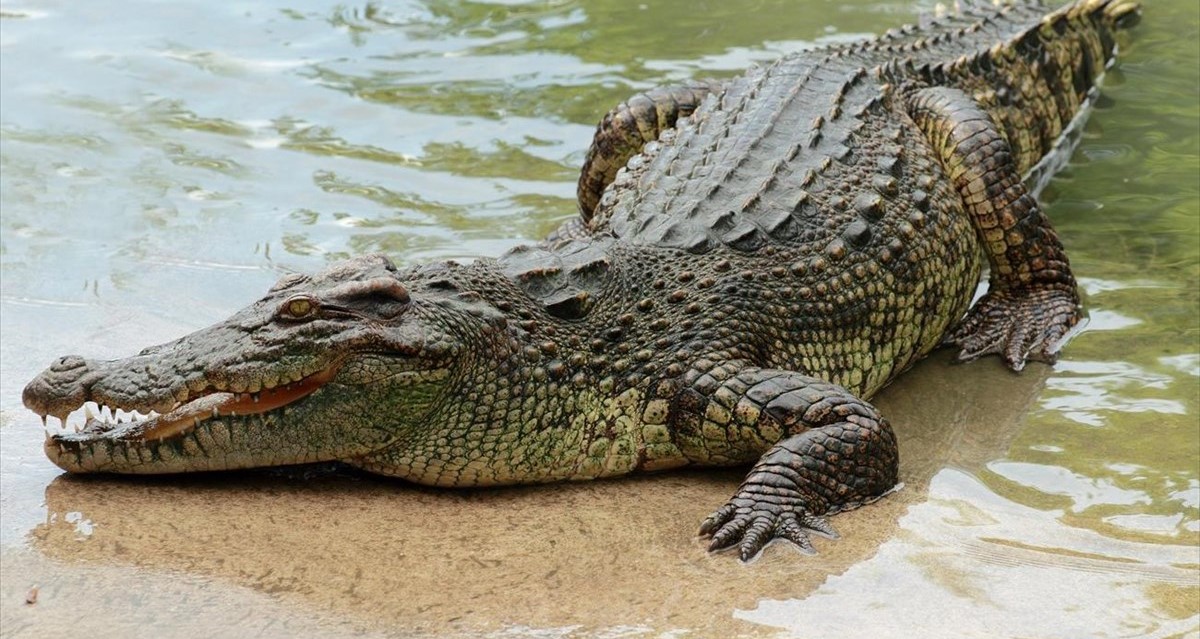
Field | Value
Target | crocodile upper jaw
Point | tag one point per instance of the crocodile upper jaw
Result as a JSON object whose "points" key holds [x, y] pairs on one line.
{"points": [[114, 419]]}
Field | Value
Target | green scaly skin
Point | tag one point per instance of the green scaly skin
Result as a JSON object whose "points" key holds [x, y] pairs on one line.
{"points": [[778, 247]]}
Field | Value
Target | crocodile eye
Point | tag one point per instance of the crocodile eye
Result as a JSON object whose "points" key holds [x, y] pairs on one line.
{"points": [[298, 307]]}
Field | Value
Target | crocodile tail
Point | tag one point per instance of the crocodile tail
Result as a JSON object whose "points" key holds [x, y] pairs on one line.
{"points": [[1030, 70], [1117, 14], [1035, 83]]}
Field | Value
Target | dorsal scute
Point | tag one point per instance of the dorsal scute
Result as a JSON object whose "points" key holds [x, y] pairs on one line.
{"points": [[566, 277], [737, 176]]}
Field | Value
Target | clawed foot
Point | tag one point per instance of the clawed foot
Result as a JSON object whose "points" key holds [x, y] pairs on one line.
{"points": [[1017, 324], [750, 524]]}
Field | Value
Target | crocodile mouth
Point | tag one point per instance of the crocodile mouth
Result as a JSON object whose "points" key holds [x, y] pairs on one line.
{"points": [[106, 420]]}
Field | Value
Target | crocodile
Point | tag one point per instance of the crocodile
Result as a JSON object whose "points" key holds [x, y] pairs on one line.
{"points": [[754, 259]]}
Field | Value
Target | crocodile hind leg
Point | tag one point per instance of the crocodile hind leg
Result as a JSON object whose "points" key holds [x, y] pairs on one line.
{"points": [[832, 452], [1031, 301], [624, 130], [620, 135]]}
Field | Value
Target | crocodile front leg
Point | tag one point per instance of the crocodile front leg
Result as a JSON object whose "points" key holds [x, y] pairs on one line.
{"points": [[1031, 301], [834, 452]]}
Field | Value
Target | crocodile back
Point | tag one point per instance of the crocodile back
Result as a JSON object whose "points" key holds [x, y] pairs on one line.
{"points": [[799, 219], [745, 169]]}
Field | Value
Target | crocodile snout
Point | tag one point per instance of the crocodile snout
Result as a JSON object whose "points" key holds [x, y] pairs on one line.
{"points": [[61, 388]]}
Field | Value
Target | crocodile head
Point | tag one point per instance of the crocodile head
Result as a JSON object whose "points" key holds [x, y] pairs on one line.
{"points": [[326, 367]]}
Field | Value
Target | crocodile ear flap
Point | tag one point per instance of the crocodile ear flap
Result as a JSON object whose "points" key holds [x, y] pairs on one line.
{"points": [[289, 280], [378, 296]]}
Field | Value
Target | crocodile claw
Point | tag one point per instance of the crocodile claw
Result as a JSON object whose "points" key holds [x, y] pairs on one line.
{"points": [[1018, 325], [751, 524]]}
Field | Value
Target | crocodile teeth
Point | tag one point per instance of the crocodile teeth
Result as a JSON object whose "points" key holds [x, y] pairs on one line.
{"points": [[170, 419]]}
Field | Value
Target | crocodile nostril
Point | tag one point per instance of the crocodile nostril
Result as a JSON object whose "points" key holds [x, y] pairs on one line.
{"points": [[68, 363]]}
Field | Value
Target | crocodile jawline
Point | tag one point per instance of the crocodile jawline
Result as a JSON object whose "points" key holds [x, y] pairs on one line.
{"points": [[185, 416]]}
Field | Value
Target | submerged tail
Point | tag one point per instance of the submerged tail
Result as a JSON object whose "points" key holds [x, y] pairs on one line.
{"points": [[1031, 70]]}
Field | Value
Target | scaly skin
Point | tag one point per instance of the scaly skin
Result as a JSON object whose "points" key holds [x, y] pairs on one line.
{"points": [[777, 248]]}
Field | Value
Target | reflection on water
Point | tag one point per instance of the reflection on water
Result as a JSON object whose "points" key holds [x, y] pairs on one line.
{"points": [[968, 562], [162, 163]]}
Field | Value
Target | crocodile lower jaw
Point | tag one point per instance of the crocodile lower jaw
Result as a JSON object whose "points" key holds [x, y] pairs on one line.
{"points": [[106, 421]]}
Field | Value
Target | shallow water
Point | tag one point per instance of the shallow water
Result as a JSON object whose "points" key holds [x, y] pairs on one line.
{"points": [[163, 163]]}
